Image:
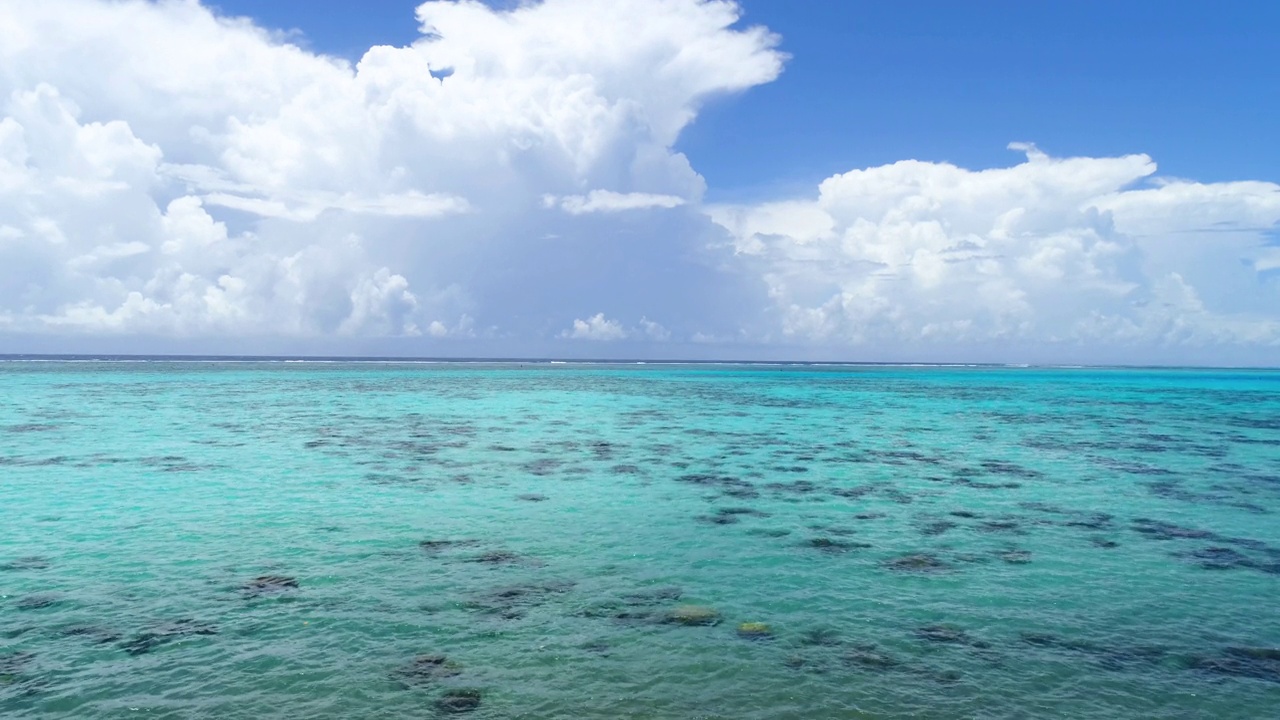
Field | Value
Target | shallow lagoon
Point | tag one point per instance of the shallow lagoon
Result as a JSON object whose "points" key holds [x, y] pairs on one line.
{"points": [[248, 540]]}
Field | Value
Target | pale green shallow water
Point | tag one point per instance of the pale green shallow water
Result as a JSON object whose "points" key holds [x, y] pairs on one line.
{"points": [[136, 500]]}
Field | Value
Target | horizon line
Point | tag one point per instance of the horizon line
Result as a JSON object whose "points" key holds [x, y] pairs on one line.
{"points": [[407, 359]]}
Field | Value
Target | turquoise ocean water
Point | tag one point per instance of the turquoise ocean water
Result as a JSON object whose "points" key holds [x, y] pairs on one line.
{"points": [[253, 540]]}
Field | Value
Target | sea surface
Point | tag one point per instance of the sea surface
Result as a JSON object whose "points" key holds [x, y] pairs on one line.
{"points": [[422, 540]]}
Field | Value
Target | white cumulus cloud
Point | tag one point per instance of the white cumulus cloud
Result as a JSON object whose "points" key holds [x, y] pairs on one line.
{"points": [[654, 331], [596, 327], [1049, 250], [609, 201]]}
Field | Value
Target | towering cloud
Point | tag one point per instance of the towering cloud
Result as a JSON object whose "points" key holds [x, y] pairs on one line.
{"points": [[166, 170]]}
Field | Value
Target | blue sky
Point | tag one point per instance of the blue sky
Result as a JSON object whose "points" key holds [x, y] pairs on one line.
{"points": [[1193, 84], [1078, 181]]}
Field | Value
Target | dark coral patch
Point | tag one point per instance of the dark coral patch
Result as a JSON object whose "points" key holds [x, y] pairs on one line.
{"points": [[144, 643], [1232, 665], [742, 511], [1047, 640], [917, 563], [1255, 653], [799, 487], [14, 663], [895, 495], [937, 527], [426, 670], [835, 530], [1015, 557], [943, 634], [795, 662], [1003, 467], [1218, 558], [30, 562], [269, 585], [769, 532], [496, 557], [458, 700], [602, 450], [1045, 508], [706, 479], [820, 637], [13, 678], [1109, 657], [164, 634], [1092, 521], [1161, 530], [833, 546], [514, 601], [950, 635], [727, 485], [979, 485], [854, 492], [30, 428], [623, 613], [93, 633], [39, 602], [718, 519], [999, 526], [435, 547], [870, 657], [542, 466]]}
